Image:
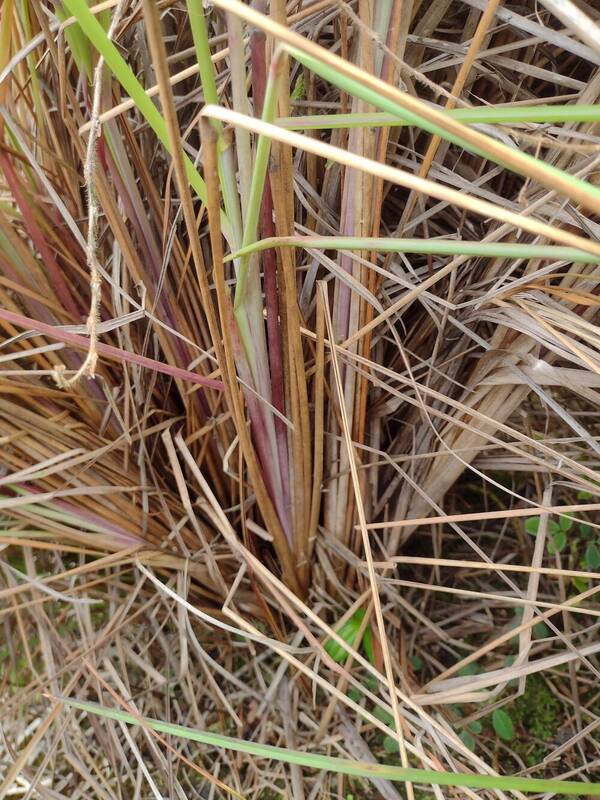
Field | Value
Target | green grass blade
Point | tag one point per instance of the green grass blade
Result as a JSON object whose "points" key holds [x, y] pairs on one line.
{"points": [[440, 247], [31, 65], [259, 175], [227, 177], [341, 765], [195, 10], [123, 73], [488, 115], [78, 44], [353, 87]]}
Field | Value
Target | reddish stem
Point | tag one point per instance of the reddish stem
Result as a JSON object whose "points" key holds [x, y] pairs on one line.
{"points": [[108, 350], [269, 265]]}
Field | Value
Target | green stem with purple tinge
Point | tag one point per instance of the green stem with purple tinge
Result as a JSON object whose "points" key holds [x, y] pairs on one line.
{"points": [[269, 264]]}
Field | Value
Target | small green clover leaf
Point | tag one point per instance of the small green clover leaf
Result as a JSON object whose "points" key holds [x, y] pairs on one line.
{"points": [[592, 556], [383, 716], [532, 525], [581, 584], [557, 532], [468, 740], [565, 523], [469, 669], [556, 542], [541, 631], [503, 725]]}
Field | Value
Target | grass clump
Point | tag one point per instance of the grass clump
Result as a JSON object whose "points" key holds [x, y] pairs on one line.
{"points": [[298, 398]]}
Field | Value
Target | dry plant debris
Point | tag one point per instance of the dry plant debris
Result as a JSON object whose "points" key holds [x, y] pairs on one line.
{"points": [[299, 386]]}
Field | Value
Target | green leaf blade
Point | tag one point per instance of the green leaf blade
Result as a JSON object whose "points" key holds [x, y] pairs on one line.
{"points": [[344, 766]]}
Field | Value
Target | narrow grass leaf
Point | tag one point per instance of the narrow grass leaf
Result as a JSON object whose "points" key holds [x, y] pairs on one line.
{"points": [[484, 115], [440, 247], [341, 765]]}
